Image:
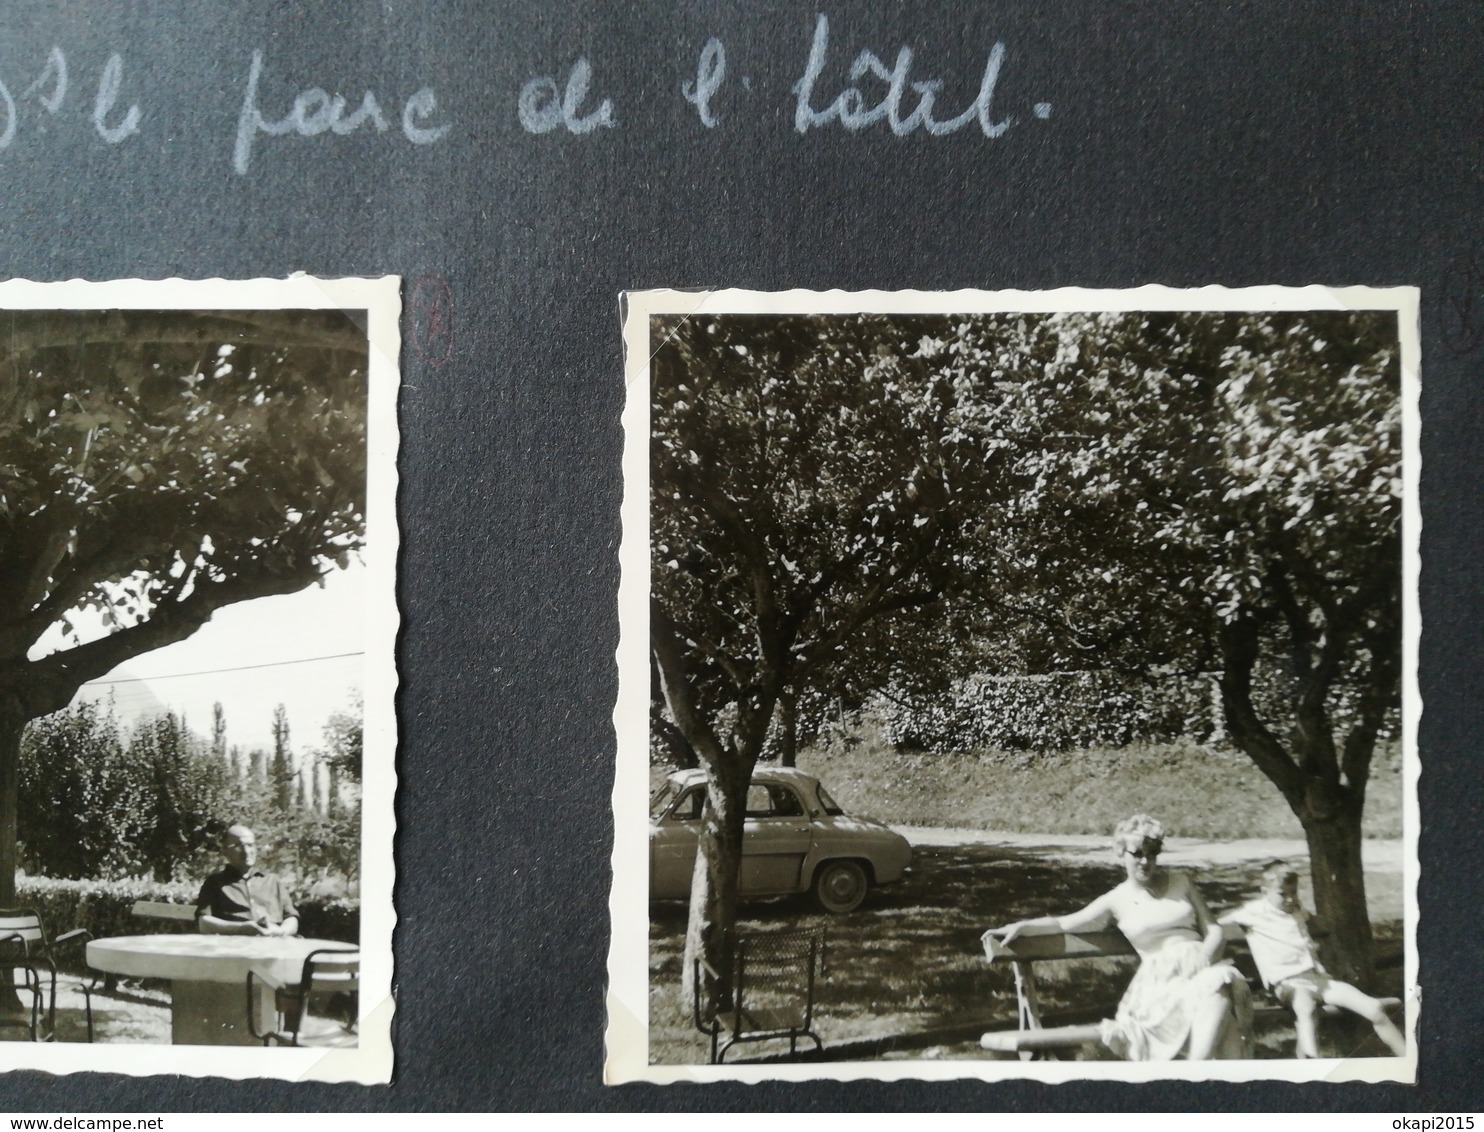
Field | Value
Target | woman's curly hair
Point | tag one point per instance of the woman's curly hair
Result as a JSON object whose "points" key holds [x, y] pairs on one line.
{"points": [[1140, 827]]}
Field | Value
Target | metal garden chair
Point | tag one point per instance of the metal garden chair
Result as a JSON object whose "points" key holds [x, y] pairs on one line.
{"points": [[773, 980], [330, 979], [30, 956]]}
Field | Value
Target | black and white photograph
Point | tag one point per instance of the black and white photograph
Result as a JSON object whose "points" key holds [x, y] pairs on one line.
{"points": [[197, 620], [1018, 685]]}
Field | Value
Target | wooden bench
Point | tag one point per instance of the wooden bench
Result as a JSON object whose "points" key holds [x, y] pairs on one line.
{"points": [[1032, 1037], [163, 910]]}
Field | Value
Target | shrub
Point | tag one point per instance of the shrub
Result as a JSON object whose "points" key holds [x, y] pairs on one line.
{"points": [[1052, 712], [337, 918], [1198, 790], [1065, 711]]}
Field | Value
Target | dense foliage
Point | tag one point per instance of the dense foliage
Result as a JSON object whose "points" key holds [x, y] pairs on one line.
{"points": [[95, 803], [155, 467], [845, 505], [1066, 711], [811, 479]]}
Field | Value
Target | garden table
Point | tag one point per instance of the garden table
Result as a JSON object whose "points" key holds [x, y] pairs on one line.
{"points": [[208, 977]]}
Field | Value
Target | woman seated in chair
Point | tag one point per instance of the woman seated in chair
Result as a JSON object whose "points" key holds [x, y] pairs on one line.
{"points": [[1183, 996]]}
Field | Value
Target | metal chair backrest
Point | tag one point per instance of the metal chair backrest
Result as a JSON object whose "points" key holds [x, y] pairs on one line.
{"points": [[331, 971], [163, 910], [775, 971], [21, 931], [331, 978]]}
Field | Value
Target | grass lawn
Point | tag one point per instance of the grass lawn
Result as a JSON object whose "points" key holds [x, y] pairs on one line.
{"points": [[909, 960], [1197, 790], [137, 1012]]}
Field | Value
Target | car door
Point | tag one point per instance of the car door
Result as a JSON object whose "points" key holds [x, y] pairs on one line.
{"points": [[672, 847], [775, 839]]}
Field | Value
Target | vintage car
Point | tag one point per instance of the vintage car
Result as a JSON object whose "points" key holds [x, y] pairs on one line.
{"points": [[795, 839]]}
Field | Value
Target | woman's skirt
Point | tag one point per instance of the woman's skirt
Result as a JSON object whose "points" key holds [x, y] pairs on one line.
{"points": [[1168, 990]]}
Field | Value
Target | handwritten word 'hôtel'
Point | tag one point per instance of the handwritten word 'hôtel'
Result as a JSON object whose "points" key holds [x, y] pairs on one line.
{"points": [[888, 93]]}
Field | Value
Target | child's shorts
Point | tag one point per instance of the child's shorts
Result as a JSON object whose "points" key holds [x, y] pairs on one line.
{"points": [[1315, 982]]}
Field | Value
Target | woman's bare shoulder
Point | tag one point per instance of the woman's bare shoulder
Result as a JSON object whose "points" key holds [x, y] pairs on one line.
{"points": [[1117, 897]]}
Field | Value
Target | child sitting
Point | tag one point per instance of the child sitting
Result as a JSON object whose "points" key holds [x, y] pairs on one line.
{"points": [[1278, 937]]}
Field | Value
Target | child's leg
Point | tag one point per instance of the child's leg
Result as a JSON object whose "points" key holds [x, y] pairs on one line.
{"points": [[1302, 1001], [1358, 1002]]}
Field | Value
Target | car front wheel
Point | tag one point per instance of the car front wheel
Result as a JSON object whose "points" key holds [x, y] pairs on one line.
{"points": [[840, 886]]}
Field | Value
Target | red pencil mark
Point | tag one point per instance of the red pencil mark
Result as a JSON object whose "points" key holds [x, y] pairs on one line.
{"points": [[430, 318]]}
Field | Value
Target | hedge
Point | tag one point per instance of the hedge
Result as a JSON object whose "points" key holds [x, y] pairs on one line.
{"points": [[104, 908], [1070, 710]]}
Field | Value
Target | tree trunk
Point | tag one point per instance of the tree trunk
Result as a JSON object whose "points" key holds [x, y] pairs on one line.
{"points": [[1327, 808], [1339, 895], [671, 737], [710, 932], [674, 742], [788, 727], [11, 726]]}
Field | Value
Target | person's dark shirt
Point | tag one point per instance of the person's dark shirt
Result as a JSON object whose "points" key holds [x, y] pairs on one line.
{"points": [[229, 895]]}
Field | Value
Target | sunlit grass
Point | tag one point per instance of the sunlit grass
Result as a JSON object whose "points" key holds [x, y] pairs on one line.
{"points": [[909, 960], [1198, 790], [138, 1012]]}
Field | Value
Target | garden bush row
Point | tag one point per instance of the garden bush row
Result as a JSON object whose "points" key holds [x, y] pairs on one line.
{"points": [[1071, 710], [103, 907], [1051, 712]]}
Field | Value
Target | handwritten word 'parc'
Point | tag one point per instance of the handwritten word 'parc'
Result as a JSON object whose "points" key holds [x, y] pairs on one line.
{"points": [[315, 111], [50, 90], [851, 109]]}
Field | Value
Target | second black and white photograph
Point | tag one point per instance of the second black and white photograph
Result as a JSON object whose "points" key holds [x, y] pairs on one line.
{"points": [[1018, 685]]}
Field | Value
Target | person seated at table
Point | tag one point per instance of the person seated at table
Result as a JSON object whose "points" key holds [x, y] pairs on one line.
{"points": [[241, 899]]}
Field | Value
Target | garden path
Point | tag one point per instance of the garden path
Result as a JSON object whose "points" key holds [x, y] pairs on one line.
{"points": [[1182, 852]]}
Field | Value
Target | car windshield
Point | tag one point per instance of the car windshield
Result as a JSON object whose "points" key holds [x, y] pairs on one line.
{"points": [[829, 805], [661, 801]]}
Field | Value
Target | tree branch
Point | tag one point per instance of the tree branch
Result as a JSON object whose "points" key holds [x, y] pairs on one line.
{"points": [[52, 681], [1384, 680], [1238, 641], [665, 645], [66, 591], [66, 330]]}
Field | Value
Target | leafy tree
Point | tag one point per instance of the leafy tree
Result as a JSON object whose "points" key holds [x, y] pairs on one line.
{"points": [[181, 792], [219, 731], [1222, 492], [344, 735], [343, 740], [93, 805], [74, 804], [809, 478], [155, 467], [281, 773]]}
